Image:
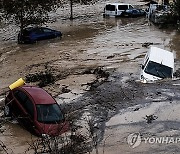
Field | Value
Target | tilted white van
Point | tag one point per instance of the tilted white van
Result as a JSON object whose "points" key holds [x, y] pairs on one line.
{"points": [[158, 64], [116, 9]]}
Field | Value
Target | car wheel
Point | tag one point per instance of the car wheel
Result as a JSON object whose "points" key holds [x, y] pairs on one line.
{"points": [[7, 111]]}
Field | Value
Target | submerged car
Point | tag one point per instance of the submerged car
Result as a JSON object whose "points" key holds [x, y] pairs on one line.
{"points": [[36, 110], [33, 34], [158, 64], [134, 13]]}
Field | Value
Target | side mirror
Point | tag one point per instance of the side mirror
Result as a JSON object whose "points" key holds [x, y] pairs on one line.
{"points": [[142, 66]]}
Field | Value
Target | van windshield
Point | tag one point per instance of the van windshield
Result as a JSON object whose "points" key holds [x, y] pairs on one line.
{"points": [[110, 7], [158, 70]]}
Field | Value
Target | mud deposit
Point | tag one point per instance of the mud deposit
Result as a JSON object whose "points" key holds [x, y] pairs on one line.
{"points": [[93, 73]]}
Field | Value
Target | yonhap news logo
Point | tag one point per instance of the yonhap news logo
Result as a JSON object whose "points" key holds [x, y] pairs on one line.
{"points": [[135, 139]]}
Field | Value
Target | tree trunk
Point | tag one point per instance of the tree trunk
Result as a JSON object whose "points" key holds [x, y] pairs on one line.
{"points": [[71, 5], [21, 23]]}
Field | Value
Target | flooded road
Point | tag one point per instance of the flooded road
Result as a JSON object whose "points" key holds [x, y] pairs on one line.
{"points": [[116, 47]]}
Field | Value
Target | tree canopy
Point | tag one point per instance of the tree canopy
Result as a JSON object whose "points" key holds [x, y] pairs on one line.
{"points": [[26, 12], [177, 8]]}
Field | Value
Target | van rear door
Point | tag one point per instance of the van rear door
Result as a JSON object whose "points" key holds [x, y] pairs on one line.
{"points": [[110, 10]]}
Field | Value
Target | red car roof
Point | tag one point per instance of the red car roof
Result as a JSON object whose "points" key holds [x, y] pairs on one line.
{"points": [[39, 95]]}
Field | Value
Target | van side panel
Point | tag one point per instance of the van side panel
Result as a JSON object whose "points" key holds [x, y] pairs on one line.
{"points": [[116, 9]]}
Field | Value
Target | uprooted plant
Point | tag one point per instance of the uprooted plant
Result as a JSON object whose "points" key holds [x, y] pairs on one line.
{"points": [[43, 78], [74, 141]]}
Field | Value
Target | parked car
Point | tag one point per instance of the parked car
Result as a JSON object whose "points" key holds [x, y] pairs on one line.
{"points": [[134, 13], [33, 34], [158, 64], [116, 9], [36, 110]]}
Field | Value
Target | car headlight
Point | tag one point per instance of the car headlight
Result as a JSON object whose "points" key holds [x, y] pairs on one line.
{"points": [[45, 135]]}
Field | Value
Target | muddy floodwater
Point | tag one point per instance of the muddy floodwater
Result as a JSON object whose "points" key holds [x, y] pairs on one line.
{"points": [[96, 68]]}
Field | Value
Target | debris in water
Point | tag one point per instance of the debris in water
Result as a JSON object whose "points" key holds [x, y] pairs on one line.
{"points": [[99, 72], [109, 57], [136, 109], [147, 44], [43, 78], [158, 93], [177, 73], [65, 90], [150, 118]]}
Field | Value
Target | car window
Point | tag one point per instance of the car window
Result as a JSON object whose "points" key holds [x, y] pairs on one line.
{"points": [[25, 102], [130, 7], [110, 7], [28, 105], [134, 11], [26, 32], [38, 30], [122, 7], [47, 30], [20, 96]]}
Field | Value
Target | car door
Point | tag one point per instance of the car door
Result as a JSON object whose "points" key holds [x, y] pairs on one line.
{"points": [[19, 98], [24, 108], [48, 33], [29, 118], [135, 13], [39, 34]]}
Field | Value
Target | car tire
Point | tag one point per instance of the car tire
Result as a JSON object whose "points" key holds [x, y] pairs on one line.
{"points": [[7, 111]]}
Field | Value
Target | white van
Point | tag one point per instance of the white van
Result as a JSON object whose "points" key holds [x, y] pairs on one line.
{"points": [[158, 64], [116, 9]]}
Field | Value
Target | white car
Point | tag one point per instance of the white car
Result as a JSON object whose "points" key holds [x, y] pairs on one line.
{"points": [[158, 64]]}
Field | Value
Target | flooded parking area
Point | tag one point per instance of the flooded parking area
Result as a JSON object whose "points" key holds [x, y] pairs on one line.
{"points": [[96, 66]]}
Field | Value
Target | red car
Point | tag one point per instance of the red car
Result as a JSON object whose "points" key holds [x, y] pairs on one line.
{"points": [[36, 110]]}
